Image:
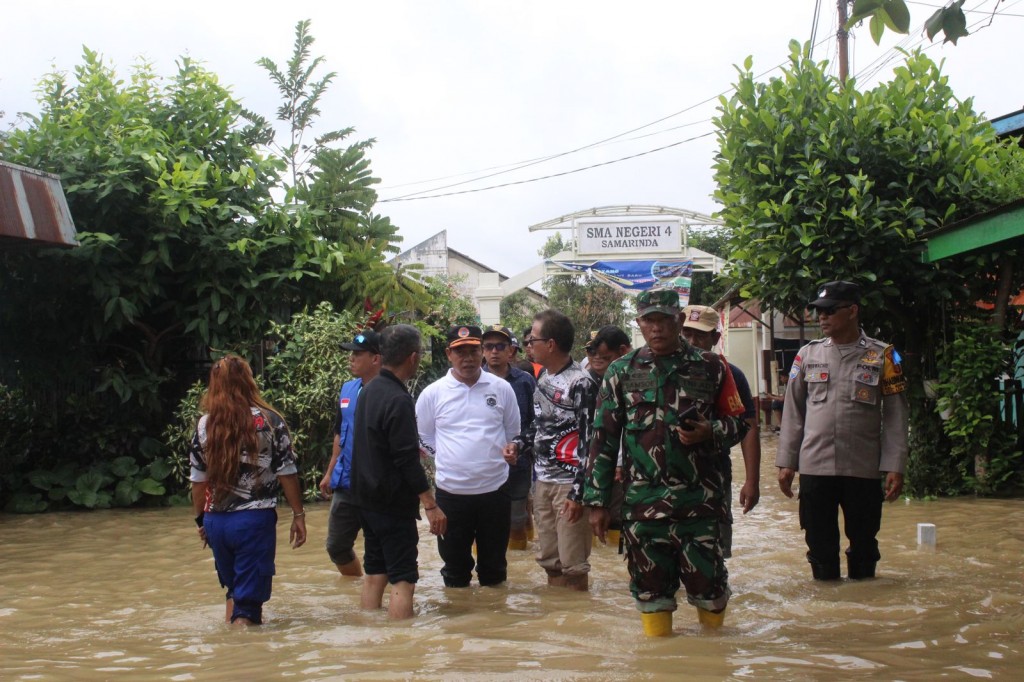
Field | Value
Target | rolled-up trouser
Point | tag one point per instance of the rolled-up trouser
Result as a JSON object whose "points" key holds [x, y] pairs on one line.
{"points": [[821, 498], [244, 545], [518, 487], [663, 553], [563, 547]]}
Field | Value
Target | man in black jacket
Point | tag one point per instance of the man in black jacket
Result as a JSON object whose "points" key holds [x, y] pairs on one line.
{"points": [[388, 481]]}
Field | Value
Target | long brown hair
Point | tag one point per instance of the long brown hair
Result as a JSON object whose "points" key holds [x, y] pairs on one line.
{"points": [[229, 424]]}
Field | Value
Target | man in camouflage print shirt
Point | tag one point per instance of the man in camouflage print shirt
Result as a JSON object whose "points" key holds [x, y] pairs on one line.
{"points": [[674, 489]]}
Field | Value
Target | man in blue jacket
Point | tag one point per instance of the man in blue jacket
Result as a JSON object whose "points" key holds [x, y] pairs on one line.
{"points": [[343, 522]]}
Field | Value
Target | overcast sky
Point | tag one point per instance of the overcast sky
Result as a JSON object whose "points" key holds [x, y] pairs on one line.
{"points": [[458, 89]]}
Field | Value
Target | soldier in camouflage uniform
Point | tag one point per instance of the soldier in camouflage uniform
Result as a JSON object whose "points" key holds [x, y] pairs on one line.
{"points": [[674, 489]]}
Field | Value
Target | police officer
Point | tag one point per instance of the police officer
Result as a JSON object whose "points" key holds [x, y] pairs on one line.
{"points": [[669, 403], [844, 426]]}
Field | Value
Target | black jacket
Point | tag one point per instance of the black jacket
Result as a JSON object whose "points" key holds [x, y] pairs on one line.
{"points": [[387, 476]]}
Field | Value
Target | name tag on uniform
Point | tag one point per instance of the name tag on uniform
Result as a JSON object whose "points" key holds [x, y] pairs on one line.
{"points": [[642, 383]]}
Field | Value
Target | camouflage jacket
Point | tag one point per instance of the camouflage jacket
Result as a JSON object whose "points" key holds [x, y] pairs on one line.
{"points": [[641, 399]]}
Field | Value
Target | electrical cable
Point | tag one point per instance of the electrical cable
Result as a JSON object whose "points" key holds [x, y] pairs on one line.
{"points": [[870, 70], [552, 175]]}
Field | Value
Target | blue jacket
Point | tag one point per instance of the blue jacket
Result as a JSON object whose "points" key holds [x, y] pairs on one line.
{"points": [[341, 477]]}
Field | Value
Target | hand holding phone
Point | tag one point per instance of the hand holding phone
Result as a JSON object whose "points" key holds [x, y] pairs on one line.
{"points": [[690, 413]]}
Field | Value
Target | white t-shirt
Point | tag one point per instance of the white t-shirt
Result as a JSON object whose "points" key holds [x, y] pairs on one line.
{"points": [[465, 428]]}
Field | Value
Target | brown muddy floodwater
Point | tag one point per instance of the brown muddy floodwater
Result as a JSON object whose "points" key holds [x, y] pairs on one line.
{"points": [[129, 595]]}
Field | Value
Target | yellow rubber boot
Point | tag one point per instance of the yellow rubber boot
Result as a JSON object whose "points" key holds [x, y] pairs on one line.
{"points": [[657, 624], [710, 619]]}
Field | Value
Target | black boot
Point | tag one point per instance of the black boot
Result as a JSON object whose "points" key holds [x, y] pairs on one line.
{"points": [[828, 571], [860, 570]]}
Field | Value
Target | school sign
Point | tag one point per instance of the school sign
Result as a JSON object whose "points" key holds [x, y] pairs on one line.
{"points": [[646, 236]]}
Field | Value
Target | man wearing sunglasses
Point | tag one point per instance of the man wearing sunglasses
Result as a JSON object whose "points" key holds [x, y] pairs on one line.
{"points": [[498, 345], [844, 428]]}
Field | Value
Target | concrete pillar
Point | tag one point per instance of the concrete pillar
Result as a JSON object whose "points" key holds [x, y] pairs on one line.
{"points": [[488, 297]]}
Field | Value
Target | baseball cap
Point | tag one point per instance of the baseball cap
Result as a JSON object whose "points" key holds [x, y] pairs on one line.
{"points": [[664, 301], [700, 317], [498, 329], [464, 335], [365, 340], [834, 293]]}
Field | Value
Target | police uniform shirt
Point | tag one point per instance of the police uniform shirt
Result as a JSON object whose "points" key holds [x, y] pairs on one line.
{"points": [[846, 410]]}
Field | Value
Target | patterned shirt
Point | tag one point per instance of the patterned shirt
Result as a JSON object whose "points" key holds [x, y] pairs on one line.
{"points": [[641, 401], [561, 426], [257, 486]]}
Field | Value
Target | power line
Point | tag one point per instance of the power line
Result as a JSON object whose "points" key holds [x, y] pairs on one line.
{"points": [[886, 58], [552, 175], [814, 26], [509, 168]]}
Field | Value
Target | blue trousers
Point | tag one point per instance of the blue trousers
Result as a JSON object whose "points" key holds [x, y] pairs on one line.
{"points": [[244, 545]]}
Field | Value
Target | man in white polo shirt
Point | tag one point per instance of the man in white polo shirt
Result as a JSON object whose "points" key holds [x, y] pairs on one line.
{"points": [[468, 421]]}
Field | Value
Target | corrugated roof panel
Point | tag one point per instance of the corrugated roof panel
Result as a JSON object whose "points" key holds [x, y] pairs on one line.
{"points": [[33, 206]]}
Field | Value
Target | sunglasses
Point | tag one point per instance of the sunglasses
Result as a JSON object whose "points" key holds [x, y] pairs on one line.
{"points": [[501, 345], [530, 342], [830, 310]]}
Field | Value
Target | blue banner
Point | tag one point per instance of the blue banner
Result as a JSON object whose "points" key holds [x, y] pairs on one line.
{"points": [[635, 276]]}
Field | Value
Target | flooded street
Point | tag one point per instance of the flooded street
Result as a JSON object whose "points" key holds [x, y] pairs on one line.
{"points": [[130, 595]]}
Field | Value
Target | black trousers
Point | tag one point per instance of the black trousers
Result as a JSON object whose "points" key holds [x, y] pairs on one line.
{"points": [[484, 519], [821, 498]]}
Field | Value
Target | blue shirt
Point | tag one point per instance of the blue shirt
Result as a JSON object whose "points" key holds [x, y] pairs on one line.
{"points": [[344, 426]]}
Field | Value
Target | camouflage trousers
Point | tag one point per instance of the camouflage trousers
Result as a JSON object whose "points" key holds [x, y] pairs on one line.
{"points": [[663, 553]]}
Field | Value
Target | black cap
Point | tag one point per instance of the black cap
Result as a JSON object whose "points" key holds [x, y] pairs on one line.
{"points": [[836, 293], [464, 335], [368, 340], [498, 329]]}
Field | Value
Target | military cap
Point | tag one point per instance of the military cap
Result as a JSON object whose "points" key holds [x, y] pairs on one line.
{"points": [[665, 301]]}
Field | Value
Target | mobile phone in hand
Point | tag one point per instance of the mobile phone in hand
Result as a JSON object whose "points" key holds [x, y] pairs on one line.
{"points": [[690, 413]]}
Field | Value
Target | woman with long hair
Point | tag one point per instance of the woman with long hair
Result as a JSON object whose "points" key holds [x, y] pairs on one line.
{"points": [[241, 458]]}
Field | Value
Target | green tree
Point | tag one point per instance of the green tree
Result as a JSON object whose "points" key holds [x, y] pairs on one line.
{"points": [[707, 287], [894, 16], [589, 303], [332, 188], [517, 312], [184, 246], [820, 182]]}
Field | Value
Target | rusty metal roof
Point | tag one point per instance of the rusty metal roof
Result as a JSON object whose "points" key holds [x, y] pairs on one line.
{"points": [[33, 207]]}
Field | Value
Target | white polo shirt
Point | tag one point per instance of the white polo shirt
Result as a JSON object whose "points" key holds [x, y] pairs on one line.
{"points": [[466, 428]]}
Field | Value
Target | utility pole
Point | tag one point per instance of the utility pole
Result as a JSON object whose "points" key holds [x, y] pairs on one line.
{"points": [[843, 43]]}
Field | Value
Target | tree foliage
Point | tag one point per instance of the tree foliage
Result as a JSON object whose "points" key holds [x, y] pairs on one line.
{"points": [[186, 245], [893, 15], [820, 182], [589, 303], [707, 287]]}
